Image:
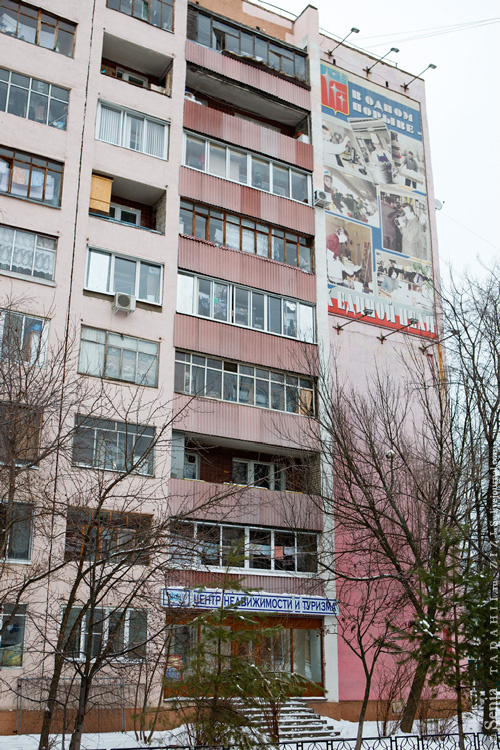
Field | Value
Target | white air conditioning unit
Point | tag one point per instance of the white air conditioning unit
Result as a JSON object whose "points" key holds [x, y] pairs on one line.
{"points": [[124, 303], [321, 198]]}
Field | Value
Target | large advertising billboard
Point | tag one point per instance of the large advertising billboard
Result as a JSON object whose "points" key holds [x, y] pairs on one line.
{"points": [[378, 239]]}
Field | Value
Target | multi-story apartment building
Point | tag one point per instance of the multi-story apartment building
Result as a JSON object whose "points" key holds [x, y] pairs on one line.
{"points": [[195, 195]]}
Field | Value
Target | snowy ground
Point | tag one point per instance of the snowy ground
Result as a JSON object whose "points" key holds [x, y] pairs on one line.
{"points": [[119, 741]]}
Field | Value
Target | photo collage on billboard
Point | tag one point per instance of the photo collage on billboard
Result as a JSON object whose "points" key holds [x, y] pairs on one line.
{"points": [[377, 222]]}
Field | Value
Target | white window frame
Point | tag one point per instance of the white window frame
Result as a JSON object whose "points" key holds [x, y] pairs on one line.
{"points": [[107, 614], [9, 534], [37, 356], [188, 286], [36, 249], [276, 475], [123, 74], [94, 425], [189, 454], [123, 112], [102, 360], [118, 208], [111, 272], [188, 555], [249, 156]]}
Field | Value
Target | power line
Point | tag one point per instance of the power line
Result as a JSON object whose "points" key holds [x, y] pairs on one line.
{"points": [[409, 36], [442, 213]]}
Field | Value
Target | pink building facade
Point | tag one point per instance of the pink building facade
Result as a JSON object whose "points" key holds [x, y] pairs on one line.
{"points": [[211, 180]]}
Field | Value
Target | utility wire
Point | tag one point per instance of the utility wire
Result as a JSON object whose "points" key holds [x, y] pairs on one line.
{"points": [[409, 36], [469, 230]]}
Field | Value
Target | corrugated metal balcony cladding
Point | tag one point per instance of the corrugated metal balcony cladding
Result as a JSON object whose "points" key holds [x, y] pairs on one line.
{"points": [[251, 506], [259, 79], [247, 201], [244, 268], [285, 584], [248, 135], [242, 344]]}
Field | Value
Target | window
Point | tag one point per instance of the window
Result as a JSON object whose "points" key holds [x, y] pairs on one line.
{"points": [[16, 532], [107, 535], [35, 26], [30, 177], [124, 214], [33, 99], [132, 130], [191, 465], [217, 34], [109, 273], [115, 446], [195, 543], [22, 337], [12, 626], [27, 253], [125, 631], [156, 12], [258, 474], [240, 233], [228, 303], [232, 381], [246, 168], [113, 355]]}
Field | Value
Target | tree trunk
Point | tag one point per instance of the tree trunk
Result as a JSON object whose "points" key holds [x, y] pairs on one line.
{"points": [[48, 714], [417, 686], [76, 737], [362, 714]]}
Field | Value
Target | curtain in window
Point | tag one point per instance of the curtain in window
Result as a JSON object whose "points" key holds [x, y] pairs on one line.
{"points": [[133, 136], [6, 237], [109, 125], [22, 259], [155, 139]]}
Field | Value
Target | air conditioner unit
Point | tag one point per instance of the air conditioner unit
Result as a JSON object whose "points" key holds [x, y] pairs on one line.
{"points": [[124, 303], [321, 198]]}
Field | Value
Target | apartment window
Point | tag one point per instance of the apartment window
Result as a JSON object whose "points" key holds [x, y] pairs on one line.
{"points": [[27, 253], [191, 465], [107, 535], [113, 355], [15, 533], [30, 177], [195, 543], [35, 100], [35, 26], [246, 168], [158, 13], [132, 130], [219, 35], [270, 476], [115, 446], [241, 306], [124, 214], [22, 337], [241, 233], [12, 627], [233, 381], [109, 273], [20, 429], [123, 631]]}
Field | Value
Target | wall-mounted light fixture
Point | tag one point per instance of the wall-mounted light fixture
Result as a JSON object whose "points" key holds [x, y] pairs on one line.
{"points": [[431, 66], [411, 322], [366, 312], [368, 70], [354, 30]]}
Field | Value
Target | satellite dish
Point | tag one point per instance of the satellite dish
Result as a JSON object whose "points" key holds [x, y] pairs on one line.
{"points": [[438, 204]]}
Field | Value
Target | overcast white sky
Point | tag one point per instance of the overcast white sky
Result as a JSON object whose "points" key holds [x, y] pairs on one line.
{"points": [[463, 102]]}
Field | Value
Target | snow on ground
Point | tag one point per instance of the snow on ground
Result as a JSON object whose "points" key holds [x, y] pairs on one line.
{"points": [[127, 741]]}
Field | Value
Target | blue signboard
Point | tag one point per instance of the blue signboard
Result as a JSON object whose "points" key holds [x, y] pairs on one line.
{"points": [[276, 604]]}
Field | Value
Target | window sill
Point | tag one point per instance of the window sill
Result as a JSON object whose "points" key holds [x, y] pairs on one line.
{"points": [[118, 381], [124, 472], [135, 151], [247, 571], [152, 306], [28, 200], [240, 403], [6, 561], [27, 277], [125, 224]]}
